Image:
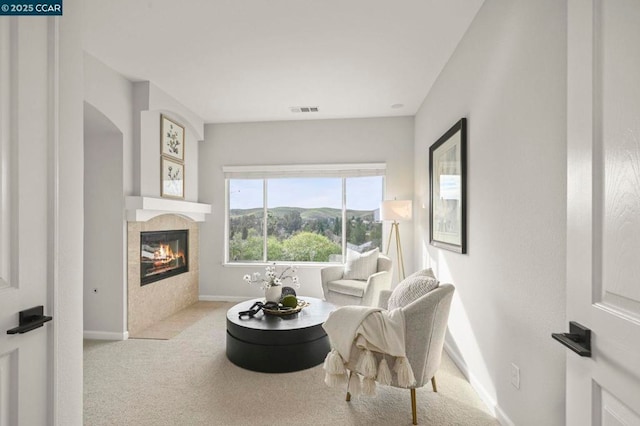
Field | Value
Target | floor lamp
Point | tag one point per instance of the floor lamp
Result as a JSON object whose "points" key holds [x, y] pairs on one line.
{"points": [[396, 211]]}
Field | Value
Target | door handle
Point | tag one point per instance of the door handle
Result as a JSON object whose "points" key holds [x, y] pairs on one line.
{"points": [[30, 319], [578, 339]]}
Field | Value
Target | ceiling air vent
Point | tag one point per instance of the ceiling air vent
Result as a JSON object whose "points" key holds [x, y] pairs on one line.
{"points": [[304, 109]]}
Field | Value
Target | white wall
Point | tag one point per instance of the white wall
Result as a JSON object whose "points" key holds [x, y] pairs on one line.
{"points": [[111, 94], [149, 104], [103, 220], [109, 171], [508, 77], [67, 301], [387, 140], [135, 109]]}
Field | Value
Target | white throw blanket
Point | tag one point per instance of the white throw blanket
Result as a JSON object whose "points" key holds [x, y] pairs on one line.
{"points": [[369, 330]]}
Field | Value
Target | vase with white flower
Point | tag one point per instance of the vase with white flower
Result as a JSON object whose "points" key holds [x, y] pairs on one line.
{"points": [[272, 281]]}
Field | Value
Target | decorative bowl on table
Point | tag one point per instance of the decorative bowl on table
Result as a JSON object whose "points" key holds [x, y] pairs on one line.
{"points": [[285, 310]]}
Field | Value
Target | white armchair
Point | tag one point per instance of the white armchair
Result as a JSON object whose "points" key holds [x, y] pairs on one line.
{"points": [[342, 292], [426, 320]]}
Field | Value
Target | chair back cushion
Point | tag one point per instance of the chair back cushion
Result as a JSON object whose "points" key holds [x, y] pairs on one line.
{"points": [[411, 288], [426, 325], [360, 266]]}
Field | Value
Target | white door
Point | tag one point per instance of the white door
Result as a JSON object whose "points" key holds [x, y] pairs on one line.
{"points": [[27, 155], [603, 210]]}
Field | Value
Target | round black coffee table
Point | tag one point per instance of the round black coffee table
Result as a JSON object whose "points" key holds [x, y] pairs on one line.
{"points": [[278, 344]]}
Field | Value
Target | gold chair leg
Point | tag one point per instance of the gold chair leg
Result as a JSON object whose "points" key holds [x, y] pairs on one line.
{"points": [[348, 393], [413, 406], [433, 384]]}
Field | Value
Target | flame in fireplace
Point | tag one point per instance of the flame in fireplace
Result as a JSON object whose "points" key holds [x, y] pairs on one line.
{"points": [[164, 254]]}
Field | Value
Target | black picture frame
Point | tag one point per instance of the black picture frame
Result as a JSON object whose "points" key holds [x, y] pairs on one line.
{"points": [[448, 189]]}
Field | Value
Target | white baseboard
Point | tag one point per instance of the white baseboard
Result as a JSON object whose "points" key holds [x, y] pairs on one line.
{"points": [[222, 298], [488, 400], [105, 335]]}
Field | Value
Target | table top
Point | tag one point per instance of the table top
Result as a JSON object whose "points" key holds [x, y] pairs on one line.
{"points": [[312, 315]]}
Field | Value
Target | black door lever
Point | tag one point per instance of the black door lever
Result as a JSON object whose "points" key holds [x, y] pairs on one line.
{"points": [[578, 339], [30, 319]]}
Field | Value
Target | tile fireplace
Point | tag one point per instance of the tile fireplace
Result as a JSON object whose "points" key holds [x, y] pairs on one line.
{"points": [[164, 247]]}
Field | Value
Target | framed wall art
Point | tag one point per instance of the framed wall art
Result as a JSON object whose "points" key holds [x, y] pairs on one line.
{"points": [[171, 138], [172, 179], [447, 189]]}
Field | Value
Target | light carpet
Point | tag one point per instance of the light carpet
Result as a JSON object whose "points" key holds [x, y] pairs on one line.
{"points": [[176, 323], [189, 381]]}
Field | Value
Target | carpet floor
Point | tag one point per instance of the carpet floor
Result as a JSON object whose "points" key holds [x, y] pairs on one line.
{"points": [[188, 380], [177, 323]]}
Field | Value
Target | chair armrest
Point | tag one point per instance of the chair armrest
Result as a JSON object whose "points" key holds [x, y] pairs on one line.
{"points": [[375, 284], [330, 273]]}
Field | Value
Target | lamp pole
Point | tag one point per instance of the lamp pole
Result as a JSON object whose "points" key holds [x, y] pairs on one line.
{"points": [[395, 227], [395, 211]]}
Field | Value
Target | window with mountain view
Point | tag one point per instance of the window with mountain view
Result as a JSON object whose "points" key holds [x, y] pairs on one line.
{"points": [[302, 219], [246, 214]]}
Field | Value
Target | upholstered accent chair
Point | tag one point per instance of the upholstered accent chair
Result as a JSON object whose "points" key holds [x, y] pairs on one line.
{"points": [[341, 290], [426, 320]]}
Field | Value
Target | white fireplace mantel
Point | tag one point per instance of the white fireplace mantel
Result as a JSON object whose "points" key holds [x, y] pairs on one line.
{"points": [[141, 209]]}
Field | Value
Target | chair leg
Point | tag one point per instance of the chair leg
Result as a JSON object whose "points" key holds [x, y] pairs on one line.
{"points": [[413, 406], [433, 384], [348, 393]]}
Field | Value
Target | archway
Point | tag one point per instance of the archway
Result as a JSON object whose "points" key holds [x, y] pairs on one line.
{"points": [[104, 228]]}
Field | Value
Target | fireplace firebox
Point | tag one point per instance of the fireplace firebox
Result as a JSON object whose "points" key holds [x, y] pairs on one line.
{"points": [[163, 254]]}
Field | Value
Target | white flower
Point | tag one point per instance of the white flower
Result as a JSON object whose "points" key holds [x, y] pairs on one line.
{"points": [[272, 277]]}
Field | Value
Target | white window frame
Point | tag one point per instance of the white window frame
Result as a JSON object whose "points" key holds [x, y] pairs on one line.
{"points": [[343, 171]]}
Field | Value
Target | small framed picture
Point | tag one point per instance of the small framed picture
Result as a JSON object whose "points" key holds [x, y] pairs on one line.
{"points": [[171, 179], [171, 139], [448, 189]]}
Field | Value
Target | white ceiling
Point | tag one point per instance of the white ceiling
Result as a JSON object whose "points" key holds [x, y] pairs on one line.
{"points": [[250, 60]]}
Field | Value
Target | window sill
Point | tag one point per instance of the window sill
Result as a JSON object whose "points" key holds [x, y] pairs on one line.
{"points": [[305, 265]]}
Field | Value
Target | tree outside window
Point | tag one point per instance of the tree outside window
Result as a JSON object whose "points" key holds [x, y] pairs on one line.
{"points": [[302, 219]]}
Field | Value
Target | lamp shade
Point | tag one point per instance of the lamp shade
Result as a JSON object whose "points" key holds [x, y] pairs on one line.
{"points": [[396, 210]]}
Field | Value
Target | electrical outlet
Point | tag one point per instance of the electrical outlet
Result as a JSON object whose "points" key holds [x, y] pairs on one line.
{"points": [[515, 376]]}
